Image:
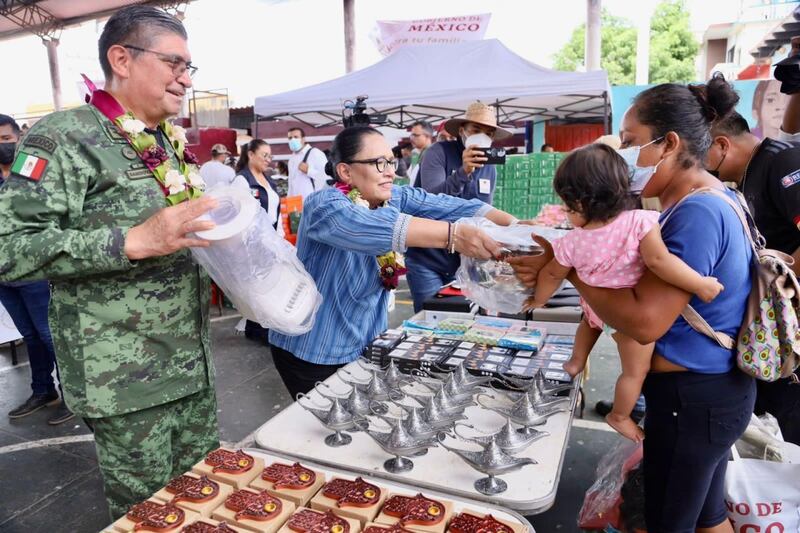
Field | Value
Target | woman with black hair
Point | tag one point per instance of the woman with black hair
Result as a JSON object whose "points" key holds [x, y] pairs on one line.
{"points": [[611, 246], [348, 241], [253, 163], [698, 401], [252, 166]]}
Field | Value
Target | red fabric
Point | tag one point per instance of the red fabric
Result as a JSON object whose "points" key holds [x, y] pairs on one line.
{"points": [[566, 137]]}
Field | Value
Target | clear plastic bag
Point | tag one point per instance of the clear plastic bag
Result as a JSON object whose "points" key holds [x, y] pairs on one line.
{"points": [[491, 283], [257, 269], [763, 440], [601, 503]]}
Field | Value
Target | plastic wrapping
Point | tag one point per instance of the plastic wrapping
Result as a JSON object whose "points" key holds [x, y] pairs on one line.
{"points": [[257, 269], [601, 505], [491, 283], [763, 440]]}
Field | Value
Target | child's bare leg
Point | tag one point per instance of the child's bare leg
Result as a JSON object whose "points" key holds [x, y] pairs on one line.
{"points": [[635, 360], [585, 339]]}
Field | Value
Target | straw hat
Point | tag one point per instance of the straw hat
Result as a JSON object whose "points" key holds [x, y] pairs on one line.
{"points": [[479, 113]]}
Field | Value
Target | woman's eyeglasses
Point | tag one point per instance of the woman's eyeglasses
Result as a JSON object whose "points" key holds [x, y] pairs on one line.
{"points": [[381, 163]]}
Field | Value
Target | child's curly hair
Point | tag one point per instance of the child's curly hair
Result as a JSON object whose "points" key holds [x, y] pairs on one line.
{"points": [[594, 181]]}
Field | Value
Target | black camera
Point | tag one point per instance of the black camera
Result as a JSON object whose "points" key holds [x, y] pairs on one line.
{"points": [[355, 114], [494, 156]]}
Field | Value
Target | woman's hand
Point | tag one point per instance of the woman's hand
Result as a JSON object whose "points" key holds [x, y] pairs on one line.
{"points": [[527, 267], [474, 242]]}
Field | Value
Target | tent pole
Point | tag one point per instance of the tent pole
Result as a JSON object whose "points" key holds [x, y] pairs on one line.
{"points": [[606, 117], [55, 77], [349, 34]]}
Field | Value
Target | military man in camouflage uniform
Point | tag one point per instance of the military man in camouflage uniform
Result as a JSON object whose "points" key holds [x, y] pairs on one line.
{"points": [[129, 308]]}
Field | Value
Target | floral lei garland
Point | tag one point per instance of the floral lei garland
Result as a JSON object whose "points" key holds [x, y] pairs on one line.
{"points": [[179, 184], [390, 264]]}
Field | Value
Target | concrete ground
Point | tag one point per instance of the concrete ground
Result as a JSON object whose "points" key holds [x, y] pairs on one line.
{"points": [[49, 476]]}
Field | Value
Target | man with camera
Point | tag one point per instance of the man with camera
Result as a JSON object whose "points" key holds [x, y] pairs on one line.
{"points": [[461, 168], [788, 72]]}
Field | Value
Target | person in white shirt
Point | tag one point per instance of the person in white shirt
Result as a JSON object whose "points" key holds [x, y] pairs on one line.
{"points": [[215, 172], [306, 166]]}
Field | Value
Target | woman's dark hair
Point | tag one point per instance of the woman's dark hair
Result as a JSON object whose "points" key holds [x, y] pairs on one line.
{"points": [[244, 158], [282, 168], [345, 146], [688, 110], [594, 181]]}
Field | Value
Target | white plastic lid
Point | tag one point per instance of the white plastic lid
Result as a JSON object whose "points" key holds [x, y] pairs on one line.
{"points": [[235, 212]]}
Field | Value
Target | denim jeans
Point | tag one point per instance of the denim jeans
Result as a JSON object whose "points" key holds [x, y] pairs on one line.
{"points": [[424, 282], [692, 421], [27, 304]]}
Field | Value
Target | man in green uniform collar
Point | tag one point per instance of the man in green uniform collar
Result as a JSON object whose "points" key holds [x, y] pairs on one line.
{"points": [[129, 309]]}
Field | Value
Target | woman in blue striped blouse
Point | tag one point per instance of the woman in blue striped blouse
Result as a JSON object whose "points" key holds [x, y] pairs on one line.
{"points": [[347, 241]]}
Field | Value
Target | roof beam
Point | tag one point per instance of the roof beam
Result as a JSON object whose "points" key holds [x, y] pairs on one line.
{"points": [[29, 16]]}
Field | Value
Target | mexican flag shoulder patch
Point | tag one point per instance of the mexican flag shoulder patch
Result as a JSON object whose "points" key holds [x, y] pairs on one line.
{"points": [[29, 166]]}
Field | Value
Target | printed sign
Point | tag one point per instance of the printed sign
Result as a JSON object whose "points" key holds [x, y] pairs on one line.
{"points": [[389, 35]]}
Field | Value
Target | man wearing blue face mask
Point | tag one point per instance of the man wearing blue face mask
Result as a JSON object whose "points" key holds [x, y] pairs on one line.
{"points": [[456, 168], [306, 166]]}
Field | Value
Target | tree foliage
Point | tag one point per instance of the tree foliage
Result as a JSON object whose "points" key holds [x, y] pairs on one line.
{"points": [[672, 46]]}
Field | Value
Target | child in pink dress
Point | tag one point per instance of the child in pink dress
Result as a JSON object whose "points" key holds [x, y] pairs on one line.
{"points": [[610, 247]]}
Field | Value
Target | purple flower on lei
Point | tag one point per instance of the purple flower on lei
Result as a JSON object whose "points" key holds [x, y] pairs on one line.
{"points": [[189, 157], [154, 156]]}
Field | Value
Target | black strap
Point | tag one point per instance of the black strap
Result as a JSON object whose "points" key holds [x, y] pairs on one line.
{"points": [[305, 158]]}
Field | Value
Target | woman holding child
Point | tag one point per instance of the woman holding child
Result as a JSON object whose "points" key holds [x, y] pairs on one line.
{"points": [[698, 402]]}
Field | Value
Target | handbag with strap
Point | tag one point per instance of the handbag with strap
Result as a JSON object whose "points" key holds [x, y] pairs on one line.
{"points": [[768, 344]]}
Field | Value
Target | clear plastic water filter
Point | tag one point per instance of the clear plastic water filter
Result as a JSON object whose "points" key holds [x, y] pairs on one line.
{"points": [[256, 268]]}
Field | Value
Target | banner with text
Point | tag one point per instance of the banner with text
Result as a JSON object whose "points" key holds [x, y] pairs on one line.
{"points": [[389, 35]]}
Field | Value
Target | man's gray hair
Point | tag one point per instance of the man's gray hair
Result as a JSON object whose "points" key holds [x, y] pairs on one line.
{"points": [[137, 26]]}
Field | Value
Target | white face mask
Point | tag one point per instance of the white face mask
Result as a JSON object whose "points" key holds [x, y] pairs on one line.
{"points": [[640, 176], [481, 140]]}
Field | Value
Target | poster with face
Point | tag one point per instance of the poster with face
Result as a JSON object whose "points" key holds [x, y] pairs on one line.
{"points": [[761, 103], [769, 103]]}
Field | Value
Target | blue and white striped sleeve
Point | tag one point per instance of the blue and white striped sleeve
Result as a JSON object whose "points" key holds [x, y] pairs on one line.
{"points": [[419, 203], [336, 221]]}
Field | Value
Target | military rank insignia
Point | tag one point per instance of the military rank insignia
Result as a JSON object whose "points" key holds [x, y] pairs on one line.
{"points": [[29, 166]]}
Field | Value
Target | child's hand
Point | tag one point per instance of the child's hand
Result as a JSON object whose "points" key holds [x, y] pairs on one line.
{"points": [[709, 289], [531, 304]]}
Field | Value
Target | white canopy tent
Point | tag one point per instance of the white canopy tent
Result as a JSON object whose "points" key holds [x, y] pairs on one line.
{"points": [[437, 82]]}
